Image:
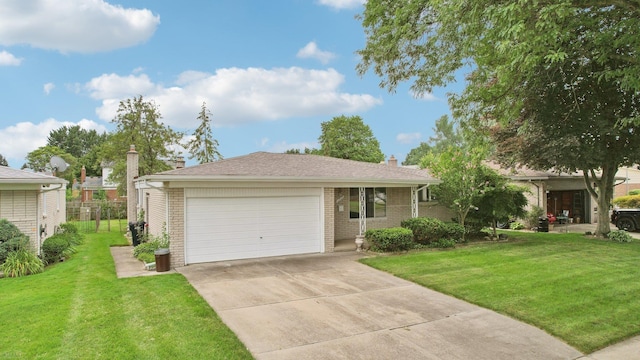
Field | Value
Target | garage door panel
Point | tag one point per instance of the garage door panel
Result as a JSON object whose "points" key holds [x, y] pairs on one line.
{"points": [[242, 228]]}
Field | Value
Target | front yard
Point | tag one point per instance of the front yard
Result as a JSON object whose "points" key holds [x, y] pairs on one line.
{"points": [[79, 310], [583, 291]]}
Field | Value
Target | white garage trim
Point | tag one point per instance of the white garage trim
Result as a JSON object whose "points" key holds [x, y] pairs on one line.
{"points": [[228, 224]]}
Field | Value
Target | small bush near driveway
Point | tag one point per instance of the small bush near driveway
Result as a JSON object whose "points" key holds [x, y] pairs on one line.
{"points": [[390, 240]]}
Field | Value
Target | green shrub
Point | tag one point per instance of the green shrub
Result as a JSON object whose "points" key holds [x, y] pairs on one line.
{"points": [[71, 232], [389, 240], [69, 228], [8, 230], [443, 243], [516, 225], [425, 230], [533, 216], [454, 231], [22, 262], [634, 192], [54, 248], [620, 236], [145, 248], [13, 244], [147, 258], [627, 202]]}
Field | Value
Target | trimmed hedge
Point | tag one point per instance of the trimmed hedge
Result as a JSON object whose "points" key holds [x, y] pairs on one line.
{"points": [[627, 202], [427, 230], [54, 247], [390, 240]]}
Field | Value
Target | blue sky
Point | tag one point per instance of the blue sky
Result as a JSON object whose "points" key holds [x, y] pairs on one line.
{"points": [[270, 72]]}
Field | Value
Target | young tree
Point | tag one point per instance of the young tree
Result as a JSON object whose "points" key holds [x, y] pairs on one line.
{"points": [[138, 123], [3, 161], [499, 201], [348, 137], [463, 178], [203, 146], [511, 48]]}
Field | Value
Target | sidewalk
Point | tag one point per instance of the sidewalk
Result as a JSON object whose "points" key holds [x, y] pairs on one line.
{"points": [[128, 266]]}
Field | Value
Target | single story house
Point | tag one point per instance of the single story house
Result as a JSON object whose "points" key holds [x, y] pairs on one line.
{"points": [[557, 193], [35, 203], [269, 204]]}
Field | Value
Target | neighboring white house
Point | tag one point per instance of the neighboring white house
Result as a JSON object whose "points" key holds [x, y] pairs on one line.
{"points": [[266, 204], [35, 203]]}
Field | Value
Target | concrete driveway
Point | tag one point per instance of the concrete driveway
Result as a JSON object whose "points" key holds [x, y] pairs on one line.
{"points": [[329, 306]]}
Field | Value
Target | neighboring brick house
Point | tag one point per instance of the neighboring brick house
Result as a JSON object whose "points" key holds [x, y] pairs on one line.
{"points": [[556, 192], [266, 204], [35, 203], [90, 186]]}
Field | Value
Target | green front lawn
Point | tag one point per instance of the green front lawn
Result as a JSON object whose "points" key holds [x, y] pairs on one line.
{"points": [[79, 310], [584, 291]]}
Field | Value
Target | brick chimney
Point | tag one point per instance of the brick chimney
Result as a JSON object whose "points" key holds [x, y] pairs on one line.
{"points": [[132, 174], [180, 162], [393, 161], [83, 175]]}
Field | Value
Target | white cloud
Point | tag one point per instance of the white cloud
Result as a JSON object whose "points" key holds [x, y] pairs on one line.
{"points": [[16, 141], [312, 51], [341, 4], [84, 26], [48, 87], [235, 95], [408, 138], [8, 59]]}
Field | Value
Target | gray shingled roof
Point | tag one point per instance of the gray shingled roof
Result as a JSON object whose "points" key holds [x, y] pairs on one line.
{"points": [[265, 166], [15, 176]]}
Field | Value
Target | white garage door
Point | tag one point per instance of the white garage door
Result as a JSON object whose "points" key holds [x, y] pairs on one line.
{"points": [[242, 228]]}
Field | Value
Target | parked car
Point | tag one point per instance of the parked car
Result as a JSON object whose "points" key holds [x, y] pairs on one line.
{"points": [[626, 219]]}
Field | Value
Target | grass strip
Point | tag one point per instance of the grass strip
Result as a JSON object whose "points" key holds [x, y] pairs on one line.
{"points": [[584, 291], [78, 309]]}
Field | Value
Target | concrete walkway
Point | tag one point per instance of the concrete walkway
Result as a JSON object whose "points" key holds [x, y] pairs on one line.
{"points": [[329, 307]]}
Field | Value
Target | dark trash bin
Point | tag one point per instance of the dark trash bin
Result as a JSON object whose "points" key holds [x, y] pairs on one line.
{"points": [[134, 233], [162, 260], [543, 224]]}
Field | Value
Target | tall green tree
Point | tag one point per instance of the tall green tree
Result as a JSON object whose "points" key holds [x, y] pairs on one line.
{"points": [[203, 146], [305, 151], [39, 160], [138, 123], [348, 137], [3, 161], [512, 51], [84, 145], [416, 154], [445, 134]]}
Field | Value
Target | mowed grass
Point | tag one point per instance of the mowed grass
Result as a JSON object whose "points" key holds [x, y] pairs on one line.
{"points": [[584, 291], [80, 310]]}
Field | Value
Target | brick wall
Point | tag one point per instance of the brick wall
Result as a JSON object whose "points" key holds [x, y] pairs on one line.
{"points": [[398, 209], [175, 227], [329, 216]]}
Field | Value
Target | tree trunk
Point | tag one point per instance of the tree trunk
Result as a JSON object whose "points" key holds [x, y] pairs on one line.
{"points": [[603, 195]]}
